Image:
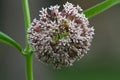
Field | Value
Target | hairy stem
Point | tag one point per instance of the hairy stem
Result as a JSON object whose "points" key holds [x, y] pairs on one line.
{"points": [[91, 12]]}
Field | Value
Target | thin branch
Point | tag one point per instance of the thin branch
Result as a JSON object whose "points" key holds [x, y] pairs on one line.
{"points": [[8, 40], [97, 9]]}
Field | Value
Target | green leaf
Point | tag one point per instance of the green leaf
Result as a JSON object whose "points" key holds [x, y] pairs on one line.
{"points": [[6, 39], [91, 12]]}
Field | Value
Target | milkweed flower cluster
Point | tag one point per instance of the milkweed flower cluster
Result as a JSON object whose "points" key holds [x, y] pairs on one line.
{"points": [[60, 37]]}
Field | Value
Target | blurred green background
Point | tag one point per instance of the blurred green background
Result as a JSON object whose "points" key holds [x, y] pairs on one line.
{"points": [[101, 63]]}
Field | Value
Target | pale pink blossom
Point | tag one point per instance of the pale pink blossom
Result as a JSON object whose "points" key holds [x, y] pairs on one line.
{"points": [[60, 37]]}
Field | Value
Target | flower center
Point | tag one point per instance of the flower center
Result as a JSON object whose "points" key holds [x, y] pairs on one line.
{"points": [[60, 35]]}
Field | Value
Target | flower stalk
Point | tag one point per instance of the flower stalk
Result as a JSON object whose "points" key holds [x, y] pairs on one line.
{"points": [[8, 40], [27, 19], [97, 9], [27, 51], [29, 68]]}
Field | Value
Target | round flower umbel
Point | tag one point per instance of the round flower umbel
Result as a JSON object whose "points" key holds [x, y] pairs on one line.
{"points": [[60, 37]]}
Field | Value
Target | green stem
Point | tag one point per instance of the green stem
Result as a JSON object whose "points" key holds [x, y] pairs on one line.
{"points": [[27, 19], [91, 12], [29, 68], [27, 52], [8, 40]]}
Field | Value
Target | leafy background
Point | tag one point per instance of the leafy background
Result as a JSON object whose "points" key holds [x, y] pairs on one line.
{"points": [[101, 63]]}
